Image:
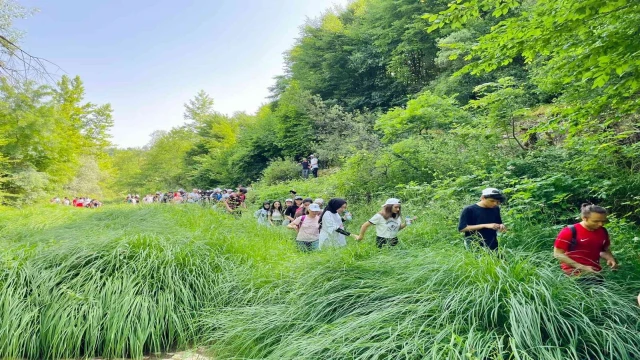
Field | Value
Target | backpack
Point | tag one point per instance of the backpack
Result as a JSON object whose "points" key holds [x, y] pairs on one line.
{"points": [[301, 221], [574, 235]]}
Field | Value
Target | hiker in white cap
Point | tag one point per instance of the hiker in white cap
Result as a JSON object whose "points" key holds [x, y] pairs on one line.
{"points": [[320, 202], [308, 229], [481, 221], [388, 223]]}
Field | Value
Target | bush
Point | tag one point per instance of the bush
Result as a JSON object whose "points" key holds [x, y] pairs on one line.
{"points": [[280, 171]]}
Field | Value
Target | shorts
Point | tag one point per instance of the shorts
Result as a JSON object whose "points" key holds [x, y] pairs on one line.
{"points": [[380, 241]]}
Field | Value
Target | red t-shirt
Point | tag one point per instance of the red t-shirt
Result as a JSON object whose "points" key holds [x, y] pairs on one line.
{"points": [[589, 244]]}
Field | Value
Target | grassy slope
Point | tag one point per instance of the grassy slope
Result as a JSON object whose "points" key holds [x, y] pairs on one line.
{"points": [[120, 281]]}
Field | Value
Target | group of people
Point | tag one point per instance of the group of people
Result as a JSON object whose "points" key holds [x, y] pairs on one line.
{"points": [[320, 226], [81, 202], [182, 196], [310, 164], [578, 247]]}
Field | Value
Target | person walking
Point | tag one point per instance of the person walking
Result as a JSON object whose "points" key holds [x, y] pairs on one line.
{"points": [[305, 168], [308, 228], [303, 209], [388, 223], [579, 247], [276, 214], [262, 214], [332, 232], [290, 212], [314, 165], [481, 221], [287, 203]]}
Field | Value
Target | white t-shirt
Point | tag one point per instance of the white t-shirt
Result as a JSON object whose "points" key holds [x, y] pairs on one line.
{"points": [[328, 234], [386, 228], [314, 163], [308, 232]]}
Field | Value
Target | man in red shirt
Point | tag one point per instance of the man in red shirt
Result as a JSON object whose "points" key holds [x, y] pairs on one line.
{"points": [[581, 253]]}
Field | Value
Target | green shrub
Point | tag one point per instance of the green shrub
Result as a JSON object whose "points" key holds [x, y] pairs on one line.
{"points": [[280, 171]]}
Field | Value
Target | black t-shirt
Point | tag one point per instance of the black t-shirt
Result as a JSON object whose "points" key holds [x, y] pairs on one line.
{"points": [[305, 165], [475, 215], [291, 211]]}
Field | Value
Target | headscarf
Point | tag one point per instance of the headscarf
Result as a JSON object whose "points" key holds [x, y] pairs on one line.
{"points": [[332, 206]]}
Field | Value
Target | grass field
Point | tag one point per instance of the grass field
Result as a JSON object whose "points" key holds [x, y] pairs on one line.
{"points": [[123, 281]]}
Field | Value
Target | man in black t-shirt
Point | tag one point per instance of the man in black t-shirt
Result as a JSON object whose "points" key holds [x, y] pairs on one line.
{"points": [[481, 222]]}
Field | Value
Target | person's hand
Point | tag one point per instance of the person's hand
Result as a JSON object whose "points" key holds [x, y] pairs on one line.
{"points": [[357, 237], [588, 269], [612, 264], [502, 228], [493, 226]]}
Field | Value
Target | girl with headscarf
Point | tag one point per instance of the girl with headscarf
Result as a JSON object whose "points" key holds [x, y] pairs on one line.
{"points": [[332, 232], [263, 213]]}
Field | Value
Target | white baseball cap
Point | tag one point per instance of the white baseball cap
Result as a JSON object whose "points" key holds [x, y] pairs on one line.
{"points": [[392, 201], [491, 191], [314, 207], [289, 200]]}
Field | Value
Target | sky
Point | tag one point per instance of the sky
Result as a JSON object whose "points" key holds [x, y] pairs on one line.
{"points": [[147, 58]]}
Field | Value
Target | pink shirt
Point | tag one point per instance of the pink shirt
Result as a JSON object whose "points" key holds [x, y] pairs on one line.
{"points": [[309, 231]]}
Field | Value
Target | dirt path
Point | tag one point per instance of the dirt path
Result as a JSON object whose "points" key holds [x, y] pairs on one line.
{"points": [[195, 354]]}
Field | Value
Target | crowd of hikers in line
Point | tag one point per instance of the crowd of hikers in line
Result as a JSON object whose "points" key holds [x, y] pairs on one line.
{"points": [[578, 247], [81, 202]]}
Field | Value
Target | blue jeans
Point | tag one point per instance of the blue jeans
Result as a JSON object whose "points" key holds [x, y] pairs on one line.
{"points": [[308, 245], [305, 173]]}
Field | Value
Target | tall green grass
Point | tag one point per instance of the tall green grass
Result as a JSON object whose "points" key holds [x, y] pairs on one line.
{"points": [[123, 281], [432, 304]]}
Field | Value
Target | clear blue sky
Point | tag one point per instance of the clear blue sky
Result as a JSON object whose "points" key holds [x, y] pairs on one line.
{"points": [[148, 57]]}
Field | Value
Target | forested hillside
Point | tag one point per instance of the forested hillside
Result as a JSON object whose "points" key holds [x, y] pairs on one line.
{"points": [[539, 98]]}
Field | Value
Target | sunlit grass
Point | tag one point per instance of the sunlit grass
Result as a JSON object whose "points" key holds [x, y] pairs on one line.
{"points": [[123, 281]]}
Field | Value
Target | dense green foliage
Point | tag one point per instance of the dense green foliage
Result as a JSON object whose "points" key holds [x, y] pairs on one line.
{"points": [[396, 93], [51, 140]]}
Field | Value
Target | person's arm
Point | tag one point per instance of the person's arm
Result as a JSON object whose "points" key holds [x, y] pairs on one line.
{"points": [[226, 204], [363, 229], [287, 212], [480, 226], [404, 224], [269, 218], [294, 224], [346, 233], [562, 256], [611, 261]]}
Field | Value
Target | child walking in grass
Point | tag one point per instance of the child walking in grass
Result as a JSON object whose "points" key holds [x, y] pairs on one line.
{"points": [[276, 214], [263, 213], [308, 228], [332, 232], [388, 223]]}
